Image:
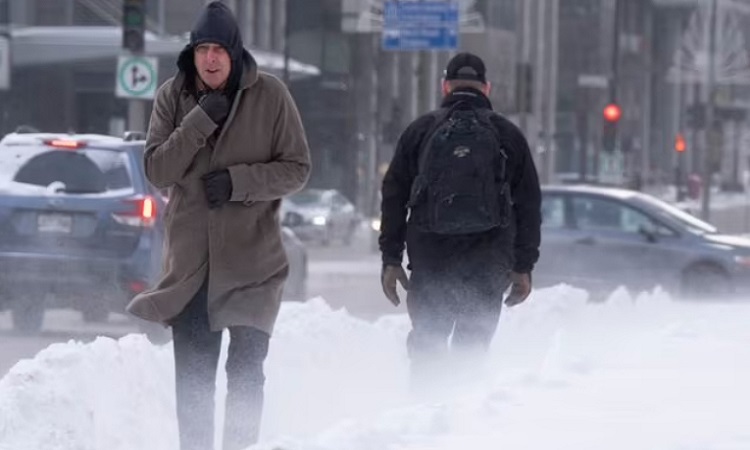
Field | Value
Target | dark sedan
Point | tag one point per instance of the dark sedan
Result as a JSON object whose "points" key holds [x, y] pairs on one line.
{"points": [[601, 238]]}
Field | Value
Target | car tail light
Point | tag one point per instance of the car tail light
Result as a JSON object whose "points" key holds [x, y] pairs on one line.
{"points": [[143, 213], [136, 286], [65, 144]]}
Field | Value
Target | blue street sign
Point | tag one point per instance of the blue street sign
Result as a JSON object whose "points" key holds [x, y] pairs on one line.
{"points": [[431, 25]]}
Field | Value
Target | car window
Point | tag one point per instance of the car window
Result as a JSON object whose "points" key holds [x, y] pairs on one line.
{"points": [[307, 198], [553, 211], [36, 170], [339, 202], [599, 214], [670, 212]]}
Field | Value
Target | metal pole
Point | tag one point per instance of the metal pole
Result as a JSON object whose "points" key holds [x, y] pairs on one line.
{"points": [[240, 11], [677, 108], [736, 162], [613, 85], [136, 115], [427, 85], [645, 166], [583, 132], [263, 24], [287, 32], [552, 41], [162, 17], [525, 57], [407, 86], [615, 54], [707, 157], [541, 62]]}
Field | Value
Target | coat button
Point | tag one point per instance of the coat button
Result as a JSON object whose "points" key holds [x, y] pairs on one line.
{"points": [[201, 142]]}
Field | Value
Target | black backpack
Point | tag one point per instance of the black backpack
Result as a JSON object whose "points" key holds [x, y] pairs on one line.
{"points": [[461, 187]]}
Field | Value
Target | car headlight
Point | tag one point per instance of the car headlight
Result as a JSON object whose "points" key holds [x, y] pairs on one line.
{"points": [[375, 224], [743, 260], [319, 220]]}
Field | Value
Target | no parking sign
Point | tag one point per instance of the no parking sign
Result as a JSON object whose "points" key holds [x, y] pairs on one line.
{"points": [[136, 77]]}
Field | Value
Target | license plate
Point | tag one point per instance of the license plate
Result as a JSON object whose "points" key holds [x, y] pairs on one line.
{"points": [[55, 223]]}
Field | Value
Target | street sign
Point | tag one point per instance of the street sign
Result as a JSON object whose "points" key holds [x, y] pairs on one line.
{"points": [[4, 62], [136, 77], [593, 81], [367, 16], [430, 25]]}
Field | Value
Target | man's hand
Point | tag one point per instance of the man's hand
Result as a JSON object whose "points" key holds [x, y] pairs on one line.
{"points": [[216, 105], [389, 277], [218, 186], [520, 289]]}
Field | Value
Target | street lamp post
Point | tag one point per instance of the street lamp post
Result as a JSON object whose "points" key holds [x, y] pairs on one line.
{"points": [[710, 129], [287, 33]]}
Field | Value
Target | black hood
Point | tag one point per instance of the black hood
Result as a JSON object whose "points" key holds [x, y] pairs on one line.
{"points": [[216, 24]]}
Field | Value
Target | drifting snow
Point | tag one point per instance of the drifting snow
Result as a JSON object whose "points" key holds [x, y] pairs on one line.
{"points": [[633, 373]]}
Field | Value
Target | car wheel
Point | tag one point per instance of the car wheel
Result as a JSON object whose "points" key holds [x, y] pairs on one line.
{"points": [[27, 317], [95, 313], [327, 236], [350, 232], [705, 281]]}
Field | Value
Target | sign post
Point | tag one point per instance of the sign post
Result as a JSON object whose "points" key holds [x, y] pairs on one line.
{"points": [[136, 75], [136, 80], [412, 26], [4, 62]]}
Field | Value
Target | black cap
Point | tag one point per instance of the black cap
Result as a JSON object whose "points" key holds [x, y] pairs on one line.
{"points": [[466, 66]]}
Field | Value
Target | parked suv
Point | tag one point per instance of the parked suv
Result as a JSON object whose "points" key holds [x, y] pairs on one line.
{"points": [[79, 225]]}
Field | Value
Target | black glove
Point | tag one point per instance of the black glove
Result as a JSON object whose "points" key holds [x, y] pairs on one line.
{"points": [[218, 185], [216, 105], [520, 288], [389, 277]]}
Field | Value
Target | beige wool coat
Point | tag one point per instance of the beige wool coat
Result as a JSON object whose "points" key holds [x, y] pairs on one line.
{"points": [[238, 246]]}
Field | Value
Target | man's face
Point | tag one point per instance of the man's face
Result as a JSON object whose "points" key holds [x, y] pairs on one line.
{"points": [[213, 64]]}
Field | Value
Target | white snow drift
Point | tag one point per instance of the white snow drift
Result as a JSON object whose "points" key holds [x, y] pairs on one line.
{"points": [[632, 373]]}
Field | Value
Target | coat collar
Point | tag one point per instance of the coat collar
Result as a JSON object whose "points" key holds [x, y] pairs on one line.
{"points": [[470, 95]]}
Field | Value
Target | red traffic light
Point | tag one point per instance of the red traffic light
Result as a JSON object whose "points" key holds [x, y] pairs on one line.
{"points": [[679, 144], [612, 113]]}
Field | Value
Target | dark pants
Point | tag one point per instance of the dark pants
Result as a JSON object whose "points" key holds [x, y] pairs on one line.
{"points": [[196, 353], [460, 301]]}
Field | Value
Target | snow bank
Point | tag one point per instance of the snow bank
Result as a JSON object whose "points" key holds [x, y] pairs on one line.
{"points": [[635, 372]]}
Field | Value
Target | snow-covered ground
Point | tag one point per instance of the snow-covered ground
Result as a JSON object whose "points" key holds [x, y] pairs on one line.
{"points": [[633, 373]]}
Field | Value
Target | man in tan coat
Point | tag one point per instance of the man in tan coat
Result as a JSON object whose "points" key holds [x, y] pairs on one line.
{"points": [[227, 142]]}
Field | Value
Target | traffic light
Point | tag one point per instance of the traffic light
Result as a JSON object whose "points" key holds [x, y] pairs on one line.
{"points": [[612, 114], [134, 25], [679, 143]]}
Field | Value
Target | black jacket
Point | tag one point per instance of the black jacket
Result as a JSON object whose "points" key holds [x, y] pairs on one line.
{"points": [[516, 246]]}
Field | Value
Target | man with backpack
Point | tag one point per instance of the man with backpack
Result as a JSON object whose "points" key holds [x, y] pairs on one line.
{"points": [[462, 195]]}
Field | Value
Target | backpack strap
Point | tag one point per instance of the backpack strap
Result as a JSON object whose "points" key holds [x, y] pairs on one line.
{"points": [[441, 117]]}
